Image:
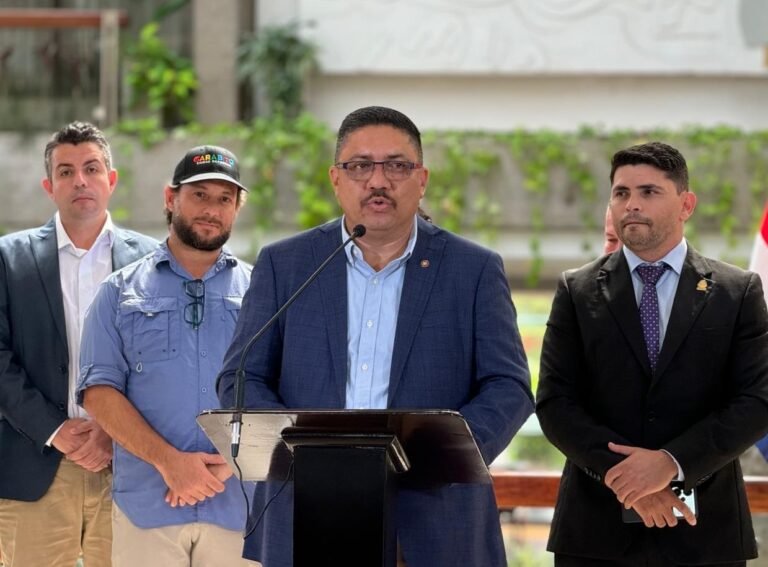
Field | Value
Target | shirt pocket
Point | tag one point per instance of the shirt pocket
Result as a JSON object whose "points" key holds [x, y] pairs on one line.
{"points": [[150, 328], [232, 305]]}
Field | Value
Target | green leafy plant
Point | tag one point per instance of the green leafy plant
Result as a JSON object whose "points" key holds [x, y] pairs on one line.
{"points": [[161, 79], [531, 181], [277, 59]]}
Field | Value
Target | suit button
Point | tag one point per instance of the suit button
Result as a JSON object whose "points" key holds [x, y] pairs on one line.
{"points": [[651, 416], [63, 369]]}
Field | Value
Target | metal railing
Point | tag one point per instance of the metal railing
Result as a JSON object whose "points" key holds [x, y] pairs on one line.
{"points": [[108, 22]]}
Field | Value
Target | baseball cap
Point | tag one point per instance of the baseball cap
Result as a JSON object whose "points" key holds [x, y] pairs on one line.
{"points": [[207, 162]]}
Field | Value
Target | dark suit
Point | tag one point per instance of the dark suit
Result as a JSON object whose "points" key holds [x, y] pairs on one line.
{"points": [[706, 403], [456, 347], [34, 360]]}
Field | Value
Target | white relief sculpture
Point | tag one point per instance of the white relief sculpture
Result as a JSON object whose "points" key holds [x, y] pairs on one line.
{"points": [[529, 36]]}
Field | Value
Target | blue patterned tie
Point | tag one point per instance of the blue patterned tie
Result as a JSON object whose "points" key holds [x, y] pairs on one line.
{"points": [[649, 308]]}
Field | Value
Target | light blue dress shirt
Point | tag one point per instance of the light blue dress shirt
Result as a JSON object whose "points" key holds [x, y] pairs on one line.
{"points": [[136, 340], [666, 287], [373, 301]]}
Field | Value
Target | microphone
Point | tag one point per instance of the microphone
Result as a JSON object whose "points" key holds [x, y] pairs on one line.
{"points": [[237, 416]]}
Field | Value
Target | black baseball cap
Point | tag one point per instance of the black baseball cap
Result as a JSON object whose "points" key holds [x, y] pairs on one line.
{"points": [[207, 162]]}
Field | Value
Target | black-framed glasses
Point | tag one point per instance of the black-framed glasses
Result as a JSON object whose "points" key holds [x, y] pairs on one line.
{"points": [[195, 310], [362, 169]]}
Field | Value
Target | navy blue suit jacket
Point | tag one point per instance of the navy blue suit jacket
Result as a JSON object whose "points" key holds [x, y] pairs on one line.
{"points": [[457, 347], [34, 359]]}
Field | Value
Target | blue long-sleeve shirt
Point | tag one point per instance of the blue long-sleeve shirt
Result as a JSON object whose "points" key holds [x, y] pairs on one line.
{"points": [[137, 338]]}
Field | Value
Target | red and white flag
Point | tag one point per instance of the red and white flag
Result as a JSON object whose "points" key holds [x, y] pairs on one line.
{"points": [[758, 263]]}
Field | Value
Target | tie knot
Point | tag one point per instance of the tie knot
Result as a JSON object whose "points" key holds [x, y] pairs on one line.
{"points": [[650, 273]]}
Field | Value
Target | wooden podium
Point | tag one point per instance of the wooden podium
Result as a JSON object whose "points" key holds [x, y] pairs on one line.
{"points": [[348, 465]]}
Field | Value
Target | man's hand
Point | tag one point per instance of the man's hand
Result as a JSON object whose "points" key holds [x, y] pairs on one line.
{"points": [[96, 452], [69, 437], [189, 478], [222, 472], [643, 472], [656, 509]]}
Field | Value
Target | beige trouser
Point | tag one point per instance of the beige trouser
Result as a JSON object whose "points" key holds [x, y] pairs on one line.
{"points": [[185, 545], [72, 517]]}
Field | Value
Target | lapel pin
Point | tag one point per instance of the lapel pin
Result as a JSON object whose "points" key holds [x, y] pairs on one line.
{"points": [[702, 285], [424, 263]]}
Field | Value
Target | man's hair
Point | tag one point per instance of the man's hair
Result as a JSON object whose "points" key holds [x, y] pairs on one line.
{"points": [[378, 116], [656, 154], [77, 133], [239, 201]]}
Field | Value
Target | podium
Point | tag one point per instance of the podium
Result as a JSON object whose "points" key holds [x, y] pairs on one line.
{"points": [[347, 468]]}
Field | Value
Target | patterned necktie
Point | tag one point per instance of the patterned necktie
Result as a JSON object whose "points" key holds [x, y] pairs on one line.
{"points": [[649, 308]]}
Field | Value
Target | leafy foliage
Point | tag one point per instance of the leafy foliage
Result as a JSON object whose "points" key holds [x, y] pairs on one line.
{"points": [[277, 59], [484, 181], [161, 79]]}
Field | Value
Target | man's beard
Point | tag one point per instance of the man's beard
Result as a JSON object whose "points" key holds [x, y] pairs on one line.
{"points": [[188, 236]]}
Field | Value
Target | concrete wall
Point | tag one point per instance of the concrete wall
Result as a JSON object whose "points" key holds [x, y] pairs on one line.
{"points": [[137, 203], [545, 63]]}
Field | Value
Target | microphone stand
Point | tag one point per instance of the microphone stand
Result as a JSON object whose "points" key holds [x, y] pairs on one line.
{"points": [[237, 416]]}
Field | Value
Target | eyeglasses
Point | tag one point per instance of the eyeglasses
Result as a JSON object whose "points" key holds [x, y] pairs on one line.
{"points": [[362, 170], [194, 311]]}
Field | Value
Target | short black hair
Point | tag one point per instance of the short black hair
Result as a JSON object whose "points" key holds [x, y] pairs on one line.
{"points": [[378, 116], [78, 133], [656, 154]]}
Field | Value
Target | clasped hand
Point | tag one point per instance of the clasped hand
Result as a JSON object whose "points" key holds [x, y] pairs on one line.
{"points": [[193, 477], [641, 481]]}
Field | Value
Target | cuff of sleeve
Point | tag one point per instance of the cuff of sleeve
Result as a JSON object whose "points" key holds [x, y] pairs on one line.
{"points": [[49, 442], [680, 476]]}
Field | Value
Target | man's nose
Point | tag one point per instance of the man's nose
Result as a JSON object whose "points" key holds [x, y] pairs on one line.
{"points": [[378, 178]]}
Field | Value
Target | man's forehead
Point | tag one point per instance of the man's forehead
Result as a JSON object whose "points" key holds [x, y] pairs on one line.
{"points": [[87, 151], [378, 138], [214, 185]]}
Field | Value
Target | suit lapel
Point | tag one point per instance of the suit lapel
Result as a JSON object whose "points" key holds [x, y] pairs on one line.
{"points": [[123, 250], [46, 254], [615, 283], [421, 271], [690, 298], [333, 291]]}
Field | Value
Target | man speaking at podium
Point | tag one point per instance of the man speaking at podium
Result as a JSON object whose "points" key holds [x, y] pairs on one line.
{"points": [[409, 317]]}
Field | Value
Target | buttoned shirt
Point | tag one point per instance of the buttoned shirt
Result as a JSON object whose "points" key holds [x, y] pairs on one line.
{"points": [[137, 339], [666, 287], [80, 272], [373, 300]]}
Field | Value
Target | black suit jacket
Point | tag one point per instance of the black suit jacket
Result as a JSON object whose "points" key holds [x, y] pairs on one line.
{"points": [[706, 403], [34, 361]]}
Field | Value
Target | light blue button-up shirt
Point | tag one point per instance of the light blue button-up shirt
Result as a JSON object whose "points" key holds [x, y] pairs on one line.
{"points": [[136, 340], [373, 301], [666, 287]]}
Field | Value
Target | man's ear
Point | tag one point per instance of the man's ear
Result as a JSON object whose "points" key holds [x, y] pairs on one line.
{"points": [[689, 204], [47, 186]]}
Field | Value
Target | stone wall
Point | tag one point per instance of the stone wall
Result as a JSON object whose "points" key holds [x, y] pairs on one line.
{"points": [[137, 203]]}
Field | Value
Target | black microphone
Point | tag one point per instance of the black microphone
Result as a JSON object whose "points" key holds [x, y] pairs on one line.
{"points": [[237, 416]]}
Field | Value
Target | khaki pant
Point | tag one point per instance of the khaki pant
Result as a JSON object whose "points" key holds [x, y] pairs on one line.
{"points": [[185, 545], [73, 517]]}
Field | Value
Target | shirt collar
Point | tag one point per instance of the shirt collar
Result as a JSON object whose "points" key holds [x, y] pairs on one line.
{"points": [[353, 252], [63, 240], [674, 258]]}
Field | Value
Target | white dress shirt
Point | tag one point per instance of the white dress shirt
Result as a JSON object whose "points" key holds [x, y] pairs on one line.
{"points": [[81, 272]]}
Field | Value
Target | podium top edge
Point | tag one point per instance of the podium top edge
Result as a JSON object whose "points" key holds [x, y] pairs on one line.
{"points": [[325, 411]]}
